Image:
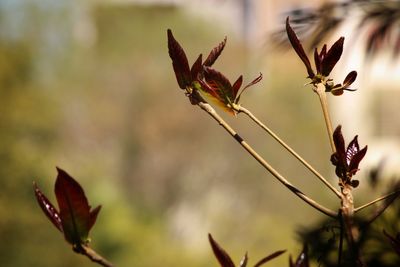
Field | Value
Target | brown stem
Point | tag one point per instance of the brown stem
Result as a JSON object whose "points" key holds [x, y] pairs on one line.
{"points": [[393, 194], [348, 224], [288, 148], [93, 256], [320, 90], [210, 110]]}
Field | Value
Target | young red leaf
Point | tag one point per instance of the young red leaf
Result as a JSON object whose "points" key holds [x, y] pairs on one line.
{"points": [[197, 67], [253, 82], [48, 208], [350, 78], [237, 84], [76, 217], [299, 48], [179, 61], [220, 84], [223, 258], [214, 54], [269, 257], [332, 57]]}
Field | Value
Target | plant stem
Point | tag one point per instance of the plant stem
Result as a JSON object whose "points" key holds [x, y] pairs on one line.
{"points": [[320, 90], [393, 194], [288, 148], [210, 110], [347, 212], [93, 256]]}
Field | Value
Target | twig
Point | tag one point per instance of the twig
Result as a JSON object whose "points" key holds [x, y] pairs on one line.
{"points": [[288, 148], [210, 110], [383, 208], [93, 256], [394, 194], [320, 90]]}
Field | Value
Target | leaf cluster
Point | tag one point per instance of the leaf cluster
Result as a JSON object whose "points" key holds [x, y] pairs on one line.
{"points": [[202, 77]]}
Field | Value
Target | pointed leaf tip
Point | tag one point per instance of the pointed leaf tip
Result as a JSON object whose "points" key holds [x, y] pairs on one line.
{"points": [[180, 62], [222, 256], [298, 48], [269, 257], [215, 53], [243, 262], [75, 212], [332, 57], [48, 209], [350, 78]]}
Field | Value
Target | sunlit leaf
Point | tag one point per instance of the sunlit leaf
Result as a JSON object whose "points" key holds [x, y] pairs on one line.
{"points": [[243, 262], [220, 85], [346, 160], [48, 208], [222, 256], [302, 259], [75, 214]]}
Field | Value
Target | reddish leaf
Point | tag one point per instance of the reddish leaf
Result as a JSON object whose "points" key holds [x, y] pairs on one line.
{"points": [[76, 217], [339, 140], [299, 48], [350, 78], [236, 85], [221, 255], [317, 60], [332, 57], [179, 61], [214, 54], [48, 208], [346, 160], [269, 257], [255, 81], [220, 84], [243, 262], [196, 67]]}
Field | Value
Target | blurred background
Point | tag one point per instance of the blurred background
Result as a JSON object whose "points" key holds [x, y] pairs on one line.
{"points": [[88, 86]]}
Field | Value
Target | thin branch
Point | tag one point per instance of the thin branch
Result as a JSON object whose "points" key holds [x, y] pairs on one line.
{"points": [[288, 148], [210, 110], [393, 194], [93, 256], [320, 90]]}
